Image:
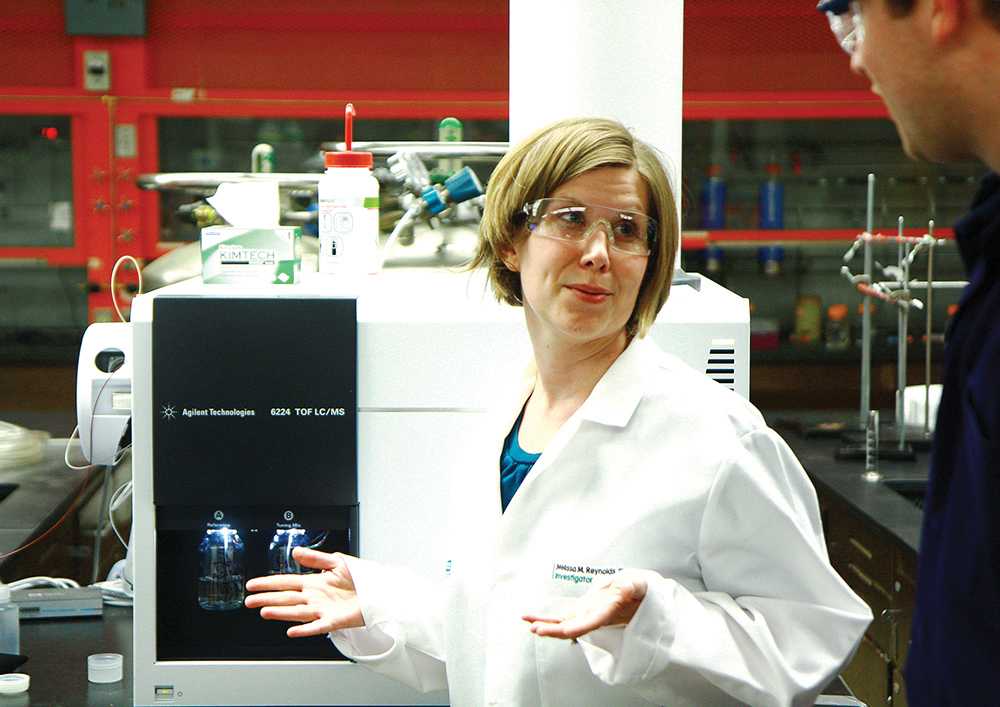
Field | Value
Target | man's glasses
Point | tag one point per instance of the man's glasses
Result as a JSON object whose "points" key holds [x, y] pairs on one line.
{"points": [[845, 21], [629, 232]]}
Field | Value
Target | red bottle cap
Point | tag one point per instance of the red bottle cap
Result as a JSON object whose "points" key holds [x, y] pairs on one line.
{"points": [[349, 159]]}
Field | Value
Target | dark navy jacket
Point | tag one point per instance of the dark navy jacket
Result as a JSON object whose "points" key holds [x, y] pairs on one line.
{"points": [[955, 655]]}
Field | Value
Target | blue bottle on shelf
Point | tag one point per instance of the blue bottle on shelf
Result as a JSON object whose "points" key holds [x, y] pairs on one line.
{"points": [[771, 205], [713, 199], [771, 259]]}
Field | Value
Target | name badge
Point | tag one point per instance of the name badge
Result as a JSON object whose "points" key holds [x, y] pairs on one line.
{"points": [[581, 574]]}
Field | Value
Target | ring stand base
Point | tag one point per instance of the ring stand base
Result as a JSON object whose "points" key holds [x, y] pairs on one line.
{"points": [[886, 451]]}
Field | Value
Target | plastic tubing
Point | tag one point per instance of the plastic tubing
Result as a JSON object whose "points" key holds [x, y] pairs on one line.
{"points": [[20, 446]]}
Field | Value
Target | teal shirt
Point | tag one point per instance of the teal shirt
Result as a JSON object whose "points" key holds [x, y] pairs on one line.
{"points": [[515, 463]]}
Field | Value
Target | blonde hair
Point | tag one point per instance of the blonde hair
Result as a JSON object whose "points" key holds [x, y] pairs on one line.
{"points": [[552, 156]]}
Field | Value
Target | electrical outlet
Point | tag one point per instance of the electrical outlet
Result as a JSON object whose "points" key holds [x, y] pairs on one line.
{"points": [[97, 70]]}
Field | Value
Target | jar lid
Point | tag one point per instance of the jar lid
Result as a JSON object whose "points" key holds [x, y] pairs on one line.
{"points": [[14, 683], [104, 667]]}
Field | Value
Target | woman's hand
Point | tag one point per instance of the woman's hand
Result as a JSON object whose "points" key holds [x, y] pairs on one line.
{"points": [[612, 604], [321, 602]]}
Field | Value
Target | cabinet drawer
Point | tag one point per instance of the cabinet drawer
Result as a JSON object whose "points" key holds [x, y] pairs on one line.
{"points": [[865, 557], [865, 547], [904, 599], [878, 601]]}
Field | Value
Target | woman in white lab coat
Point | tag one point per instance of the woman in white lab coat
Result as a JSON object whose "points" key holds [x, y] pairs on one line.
{"points": [[646, 538]]}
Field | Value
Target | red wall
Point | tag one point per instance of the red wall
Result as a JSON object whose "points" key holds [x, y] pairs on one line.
{"points": [[730, 46], [302, 58]]}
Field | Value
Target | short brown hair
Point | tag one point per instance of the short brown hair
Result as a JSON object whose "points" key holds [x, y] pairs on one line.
{"points": [[552, 156], [991, 9]]}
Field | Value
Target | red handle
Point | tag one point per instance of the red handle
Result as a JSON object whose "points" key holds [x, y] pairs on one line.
{"points": [[349, 125]]}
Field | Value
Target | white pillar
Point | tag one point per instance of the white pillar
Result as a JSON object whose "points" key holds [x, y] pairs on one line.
{"points": [[617, 59]]}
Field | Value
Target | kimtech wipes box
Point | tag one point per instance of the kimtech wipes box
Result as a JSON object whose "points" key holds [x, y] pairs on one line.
{"points": [[236, 255]]}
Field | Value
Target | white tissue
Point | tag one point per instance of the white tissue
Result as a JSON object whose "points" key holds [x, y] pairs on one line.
{"points": [[247, 204]]}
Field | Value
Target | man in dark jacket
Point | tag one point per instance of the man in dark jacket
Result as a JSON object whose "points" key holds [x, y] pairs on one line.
{"points": [[936, 64]]}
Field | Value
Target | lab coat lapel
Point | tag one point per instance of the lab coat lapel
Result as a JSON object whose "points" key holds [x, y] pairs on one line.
{"points": [[478, 499], [612, 402], [616, 396]]}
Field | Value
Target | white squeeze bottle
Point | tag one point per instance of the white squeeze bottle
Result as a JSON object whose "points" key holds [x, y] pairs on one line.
{"points": [[348, 210]]}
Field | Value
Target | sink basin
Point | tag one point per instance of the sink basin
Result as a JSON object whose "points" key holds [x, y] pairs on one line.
{"points": [[912, 490], [6, 490]]}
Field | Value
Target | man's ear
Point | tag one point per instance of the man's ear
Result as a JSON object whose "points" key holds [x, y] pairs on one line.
{"points": [[947, 17]]}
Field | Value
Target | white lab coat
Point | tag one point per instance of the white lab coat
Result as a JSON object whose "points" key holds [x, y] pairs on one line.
{"points": [[663, 472]]}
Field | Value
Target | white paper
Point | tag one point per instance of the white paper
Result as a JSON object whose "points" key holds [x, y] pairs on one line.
{"points": [[247, 204]]}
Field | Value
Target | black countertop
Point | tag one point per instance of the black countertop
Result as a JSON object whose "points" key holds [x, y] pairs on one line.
{"points": [[42, 492], [57, 651], [876, 502]]}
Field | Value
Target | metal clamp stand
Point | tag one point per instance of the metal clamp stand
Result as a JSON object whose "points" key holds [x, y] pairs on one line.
{"points": [[928, 241], [898, 293]]}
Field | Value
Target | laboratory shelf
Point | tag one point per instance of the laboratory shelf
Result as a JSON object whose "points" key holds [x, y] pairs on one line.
{"points": [[696, 240], [818, 353]]}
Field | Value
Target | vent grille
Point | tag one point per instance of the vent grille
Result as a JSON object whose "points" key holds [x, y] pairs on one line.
{"points": [[720, 364]]}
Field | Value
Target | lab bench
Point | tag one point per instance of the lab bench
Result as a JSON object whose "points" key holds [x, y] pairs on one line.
{"points": [[33, 498], [57, 651], [872, 534]]}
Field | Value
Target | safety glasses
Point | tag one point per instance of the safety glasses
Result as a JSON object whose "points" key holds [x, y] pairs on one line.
{"points": [[846, 22], [629, 232]]}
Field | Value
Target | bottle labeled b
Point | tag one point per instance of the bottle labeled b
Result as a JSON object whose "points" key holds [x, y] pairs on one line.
{"points": [[279, 552]]}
